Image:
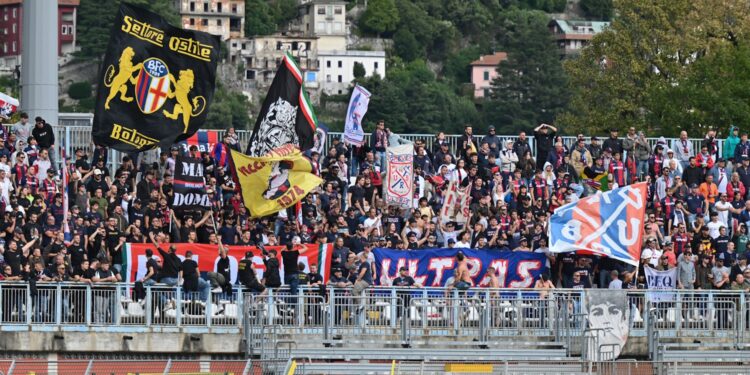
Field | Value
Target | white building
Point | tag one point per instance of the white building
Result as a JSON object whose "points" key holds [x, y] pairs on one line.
{"points": [[337, 68], [324, 19], [225, 18]]}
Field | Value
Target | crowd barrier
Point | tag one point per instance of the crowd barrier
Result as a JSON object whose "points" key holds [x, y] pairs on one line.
{"points": [[479, 312]]}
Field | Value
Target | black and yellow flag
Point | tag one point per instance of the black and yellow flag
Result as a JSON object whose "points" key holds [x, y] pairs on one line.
{"points": [[156, 82]]}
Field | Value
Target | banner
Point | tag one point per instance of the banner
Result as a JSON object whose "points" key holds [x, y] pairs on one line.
{"points": [[205, 140], [321, 134], [272, 183], [287, 115], [189, 186], [353, 132], [156, 82], [8, 106], [456, 203], [434, 267], [609, 224], [597, 181], [661, 281], [609, 322], [134, 258], [399, 177]]}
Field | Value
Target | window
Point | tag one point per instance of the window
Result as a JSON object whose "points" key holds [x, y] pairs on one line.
{"points": [[234, 44], [192, 6], [64, 30], [205, 7], [321, 10], [234, 8], [337, 27], [486, 75], [5, 47], [218, 7], [249, 74], [338, 10], [204, 21], [328, 64], [341, 64], [341, 78], [486, 93], [5, 16], [328, 78], [14, 28], [218, 22], [320, 26], [192, 22], [14, 12], [14, 46], [376, 65], [340, 92]]}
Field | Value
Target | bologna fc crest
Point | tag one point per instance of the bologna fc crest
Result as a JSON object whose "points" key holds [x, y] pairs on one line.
{"points": [[400, 174], [152, 85]]}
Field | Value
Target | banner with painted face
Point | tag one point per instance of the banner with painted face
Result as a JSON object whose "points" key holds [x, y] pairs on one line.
{"points": [[207, 257], [435, 267], [608, 315]]}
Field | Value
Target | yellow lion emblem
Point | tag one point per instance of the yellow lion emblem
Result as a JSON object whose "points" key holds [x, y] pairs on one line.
{"points": [[184, 106], [119, 83]]}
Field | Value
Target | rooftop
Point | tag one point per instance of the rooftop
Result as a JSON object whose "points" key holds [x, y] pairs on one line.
{"points": [[580, 26], [352, 53], [490, 60]]}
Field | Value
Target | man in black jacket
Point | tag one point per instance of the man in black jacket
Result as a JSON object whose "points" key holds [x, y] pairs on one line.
{"points": [[220, 279], [613, 142], [544, 135], [45, 137]]}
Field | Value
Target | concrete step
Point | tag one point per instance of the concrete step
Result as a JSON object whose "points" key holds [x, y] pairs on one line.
{"points": [[432, 354]]}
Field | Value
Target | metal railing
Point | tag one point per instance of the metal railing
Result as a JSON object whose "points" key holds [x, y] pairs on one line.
{"points": [[380, 310], [75, 130]]}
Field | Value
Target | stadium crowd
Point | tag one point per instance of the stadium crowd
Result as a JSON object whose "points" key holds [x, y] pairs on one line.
{"points": [[697, 216]]}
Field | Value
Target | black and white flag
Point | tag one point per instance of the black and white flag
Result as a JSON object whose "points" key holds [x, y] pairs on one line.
{"points": [[189, 186]]}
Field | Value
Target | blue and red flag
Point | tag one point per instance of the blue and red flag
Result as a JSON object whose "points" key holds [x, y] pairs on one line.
{"points": [[206, 140], [608, 224]]}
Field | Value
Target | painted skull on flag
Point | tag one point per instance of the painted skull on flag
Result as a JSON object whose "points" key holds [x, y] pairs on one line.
{"points": [[277, 128]]}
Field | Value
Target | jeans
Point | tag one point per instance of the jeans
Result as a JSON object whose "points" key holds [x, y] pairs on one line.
{"points": [[217, 280], [171, 281], [380, 160], [642, 168], [293, 282], [578, 189], [204, 288]]}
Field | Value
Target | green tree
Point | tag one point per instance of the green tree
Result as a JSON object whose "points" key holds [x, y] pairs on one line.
{"points": [[259, 18], [359, 70], [79, 90], [660, 65], [457, 66], [228, 109], [96, 17], [406, 45], [531, 86], [597, 9], [381, 17]]}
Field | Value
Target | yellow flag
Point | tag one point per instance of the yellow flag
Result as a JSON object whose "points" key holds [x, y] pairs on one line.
{"points": [[273, 182]]}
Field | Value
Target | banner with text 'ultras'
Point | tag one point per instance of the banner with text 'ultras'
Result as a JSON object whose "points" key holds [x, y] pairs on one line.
{"points": [[609, 224], [434, 267], [273, 182], [207, 257], [156, 82]]}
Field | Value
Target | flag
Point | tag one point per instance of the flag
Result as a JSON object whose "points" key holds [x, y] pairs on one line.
{"points": [[597, 181], [456, 203], [156, 82], [273, 182], [399, 177], [287, 116], [205, 140], [662, 282], [609, 224], [353, 132], [8, 106], [189, 186], [321, 134], [66, 226], [298, 213]]}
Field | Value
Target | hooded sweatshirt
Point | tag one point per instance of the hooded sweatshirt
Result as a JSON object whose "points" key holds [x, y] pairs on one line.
{"points": [[730, 143]]}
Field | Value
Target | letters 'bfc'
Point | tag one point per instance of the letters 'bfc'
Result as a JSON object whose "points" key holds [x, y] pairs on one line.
{"points": [[608, 224]]}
